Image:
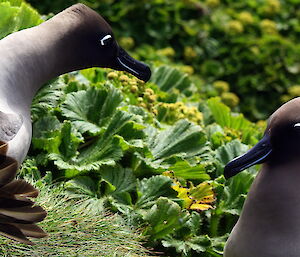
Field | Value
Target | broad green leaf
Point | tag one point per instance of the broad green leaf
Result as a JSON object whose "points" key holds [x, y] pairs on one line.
{"points": [[27, 17], [234, 193], [168, 78], [151, 189], [164, 217], [83, 185], [184, 170], [104, 149], [8, 14], [122, 180], [55, 138], [46, 134], [47, 98], [199, 244], [229, 151], [223, 116], [92, 109], [16, 15], [183, 139]]}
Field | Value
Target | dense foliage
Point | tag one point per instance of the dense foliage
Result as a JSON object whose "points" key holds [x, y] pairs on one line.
{"points": [[155, 152], [252, 45]]}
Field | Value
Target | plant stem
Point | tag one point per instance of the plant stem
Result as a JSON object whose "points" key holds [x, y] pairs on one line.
{"points": [[214, 224]]}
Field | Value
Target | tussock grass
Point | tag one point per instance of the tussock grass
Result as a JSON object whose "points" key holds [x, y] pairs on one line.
{"points": [[72, 233]]}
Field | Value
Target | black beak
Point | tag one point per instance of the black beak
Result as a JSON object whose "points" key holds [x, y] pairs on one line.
{"points": [[257, 154], [126, 63]]}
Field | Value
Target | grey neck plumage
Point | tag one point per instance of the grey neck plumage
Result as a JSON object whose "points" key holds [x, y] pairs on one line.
{"points": [[28, 59]]}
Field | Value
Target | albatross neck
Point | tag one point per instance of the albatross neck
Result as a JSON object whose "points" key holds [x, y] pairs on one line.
{"points": [[31, 57], [273, 203]]}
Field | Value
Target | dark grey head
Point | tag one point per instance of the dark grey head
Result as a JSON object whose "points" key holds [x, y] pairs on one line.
{"points": [[93, 43], [280, 144]]}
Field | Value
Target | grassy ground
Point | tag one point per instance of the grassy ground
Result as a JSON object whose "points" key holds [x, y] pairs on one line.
{"points": [[75, 234]]}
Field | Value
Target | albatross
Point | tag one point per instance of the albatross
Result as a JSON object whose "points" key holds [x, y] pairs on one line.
{"points": [[269, 225], [77, 38]]}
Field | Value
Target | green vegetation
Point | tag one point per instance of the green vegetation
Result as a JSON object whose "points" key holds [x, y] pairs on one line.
{"points": [[154, 153], [251, 44], [73, 233]]}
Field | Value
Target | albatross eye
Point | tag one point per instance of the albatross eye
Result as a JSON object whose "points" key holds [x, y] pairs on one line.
{"points": [[106, 40], [297, 125]]}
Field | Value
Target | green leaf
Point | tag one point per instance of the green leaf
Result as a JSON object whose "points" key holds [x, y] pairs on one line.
{"points": [[229, 151], [46, 134], [27, 17], [90, 110], [47, 99], [223, 116], [199, 244], [183, 139], [16, 15], [184, 170], [151, 189], [8, 14], [164, 217], [104, 149], [82, 186], [122, 180], [168, 78]]}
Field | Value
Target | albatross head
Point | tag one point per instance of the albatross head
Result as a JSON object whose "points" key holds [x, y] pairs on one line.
{"points": [[280, 143], [91, 42]]}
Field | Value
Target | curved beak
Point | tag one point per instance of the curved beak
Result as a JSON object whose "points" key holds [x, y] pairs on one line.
{"points": [[126, 63], [257, 154]]}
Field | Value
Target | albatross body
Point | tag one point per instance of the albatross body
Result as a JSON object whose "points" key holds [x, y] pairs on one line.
{"points": [[269, 225], [74, 39]]}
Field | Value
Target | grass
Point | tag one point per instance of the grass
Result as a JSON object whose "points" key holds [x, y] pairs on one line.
{"points": [[73, 233]]}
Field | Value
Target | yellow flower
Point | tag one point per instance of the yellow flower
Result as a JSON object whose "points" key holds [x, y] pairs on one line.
{"points": [[134, 89], [234, 27], [124, 78], [127, 42], [230, 99], [267, 26], [168, 51], [189, 53], [294, 91], [212, 3], [187, 69], [221, 86], [112, 75], [272, 7], [246, 18]]}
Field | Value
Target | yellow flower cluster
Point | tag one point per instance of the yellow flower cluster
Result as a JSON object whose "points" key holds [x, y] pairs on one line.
{"points": [[168, 52], [212, 3], [189, 53], [127, 42], [230, 99], [234, 27], [246, 18], [272, 7], [221, 86], [293, 91], [268, 26], [231, 134], [187, 69], [177, 111]]}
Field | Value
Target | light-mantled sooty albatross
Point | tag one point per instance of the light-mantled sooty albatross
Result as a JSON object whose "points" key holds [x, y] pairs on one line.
{"points": [[269, 225], [74, 39]]}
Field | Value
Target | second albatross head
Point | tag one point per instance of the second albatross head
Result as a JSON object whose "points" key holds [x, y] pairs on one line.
{"points": [[279, 144]]}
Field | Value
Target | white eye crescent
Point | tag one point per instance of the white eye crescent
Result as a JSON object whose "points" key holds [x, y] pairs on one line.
{"points": [[104, 39], [297, 125]]}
